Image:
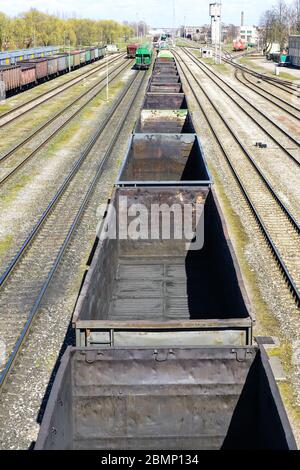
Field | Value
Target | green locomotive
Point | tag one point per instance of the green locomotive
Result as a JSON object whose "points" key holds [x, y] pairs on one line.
{"points": [[143, 56]]}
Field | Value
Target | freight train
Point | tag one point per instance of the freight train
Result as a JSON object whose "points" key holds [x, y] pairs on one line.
{"points": [[30, 71], [164, 356], [143, 56]]}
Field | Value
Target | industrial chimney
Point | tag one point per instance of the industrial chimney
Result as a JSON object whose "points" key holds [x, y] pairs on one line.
{"points": [[242, 18]]}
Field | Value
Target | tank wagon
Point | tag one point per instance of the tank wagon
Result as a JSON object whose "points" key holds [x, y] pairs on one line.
{"points": [[32, 69], [143, 56], [164, 357], [131, 50]]}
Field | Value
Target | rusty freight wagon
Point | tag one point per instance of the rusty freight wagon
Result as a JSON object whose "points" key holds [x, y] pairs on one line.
{"points": [[154, 292], [171, 121], [131, 50], [165, 81], [52, 63], [28, 75], [165, 100], [10, 76], [163, 292], [41, 67], [204, 398], [62, 62], [164, 355], [82, 57], [76, 58], [93, 54]]}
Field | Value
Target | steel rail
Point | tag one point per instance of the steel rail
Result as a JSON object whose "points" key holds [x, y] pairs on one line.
{"points": [[276, 82], [13, 263], [122, 67], [260, 91], [25, 331], [207, 70], [76, 80], [283, 85], [281, 263]]}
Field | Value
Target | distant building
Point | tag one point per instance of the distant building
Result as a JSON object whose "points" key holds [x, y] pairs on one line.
{"points": [[230, 32], [159, 31], [196, 33], [294, 49], [249, 35]]}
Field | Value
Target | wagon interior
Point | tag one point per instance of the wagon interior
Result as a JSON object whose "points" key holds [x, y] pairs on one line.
{"points": [[165, 101], [165, 278], [165, 121], [164, 157], [204, 399]]}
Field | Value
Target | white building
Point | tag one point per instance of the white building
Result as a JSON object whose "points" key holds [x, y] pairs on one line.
{"points": [[249, 35], [294, 49]]}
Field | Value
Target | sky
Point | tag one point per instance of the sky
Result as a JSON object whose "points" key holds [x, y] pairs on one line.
{"points": [[157, 13]]}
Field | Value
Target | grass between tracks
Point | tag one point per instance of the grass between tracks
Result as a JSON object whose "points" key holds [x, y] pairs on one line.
{"points": [[5, 244], [13, 190], [251, 64], [64, 137], [221, 68]]}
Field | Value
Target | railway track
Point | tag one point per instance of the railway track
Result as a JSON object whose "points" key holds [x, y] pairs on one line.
{"points": [[291, 142], [60, 121], [275, 221], [278, 83], [284, 85], [27, 278], [277, 100], [10, 116]]}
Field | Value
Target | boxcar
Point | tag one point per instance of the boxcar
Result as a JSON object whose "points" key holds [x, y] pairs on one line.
{"points": [[96, 53], [28, 74], [52, 66], [92, 54], [11, 76]]}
